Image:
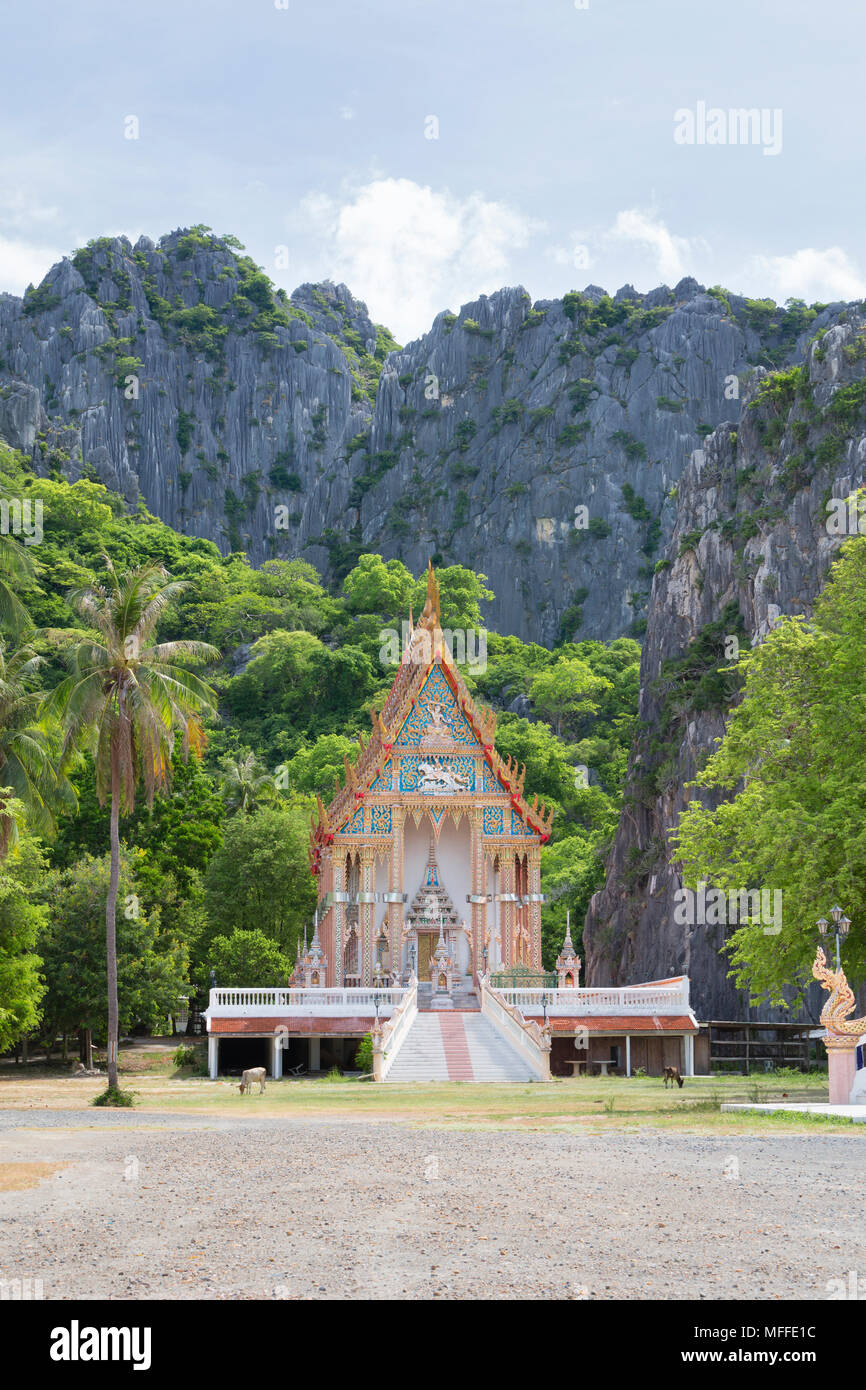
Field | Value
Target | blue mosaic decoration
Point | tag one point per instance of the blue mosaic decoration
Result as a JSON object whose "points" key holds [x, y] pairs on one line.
{"points": [[381, 820], [411, 776], [491, 783], [356, 824], [436, 815], [420, 720], [517, 826], [492, 820], [384, 782]]}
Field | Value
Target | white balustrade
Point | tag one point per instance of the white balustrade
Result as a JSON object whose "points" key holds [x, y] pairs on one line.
{"points": [[627, 1000], [396, 1030], [523, 1035], [303, 1003]]}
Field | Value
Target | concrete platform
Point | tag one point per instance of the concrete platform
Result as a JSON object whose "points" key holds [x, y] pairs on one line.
{"points": [[841, 1112]]}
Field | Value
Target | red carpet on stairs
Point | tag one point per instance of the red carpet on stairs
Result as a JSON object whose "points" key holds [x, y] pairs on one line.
{"points": [[457, 1058]]}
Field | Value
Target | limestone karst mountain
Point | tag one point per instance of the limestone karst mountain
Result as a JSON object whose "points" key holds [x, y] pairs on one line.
{"points": [[289, 426]]}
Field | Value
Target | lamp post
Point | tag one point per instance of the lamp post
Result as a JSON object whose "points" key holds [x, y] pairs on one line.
{"points": [[412, 958], [544, 1005], [840, 927], [484, 959]]}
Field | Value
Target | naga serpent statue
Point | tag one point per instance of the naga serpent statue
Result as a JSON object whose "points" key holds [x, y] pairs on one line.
{"points": [[834, 1014]]}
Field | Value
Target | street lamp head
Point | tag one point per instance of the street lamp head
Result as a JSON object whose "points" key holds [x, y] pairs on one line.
{"points": [[844, 926], [837, 914], [823, 925]]}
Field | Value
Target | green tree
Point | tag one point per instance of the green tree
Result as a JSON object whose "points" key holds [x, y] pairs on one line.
{"points": [[567, 691], [16, 568], [21, 920], [570, 871], [315, 769], [790, 770], [28, 764], [152, 969], [127, 698], [379, 586], [260, 877], [246, 784], [247, 959]]}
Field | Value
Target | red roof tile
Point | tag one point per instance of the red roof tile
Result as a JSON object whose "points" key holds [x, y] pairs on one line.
{"points": [[621, 1023]]}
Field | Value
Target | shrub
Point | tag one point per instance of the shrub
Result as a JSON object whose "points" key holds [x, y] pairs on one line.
{"points": [[508, 413], [572, 434], [364, 1055], [634, 505], [113, 1095], [184, 430]]}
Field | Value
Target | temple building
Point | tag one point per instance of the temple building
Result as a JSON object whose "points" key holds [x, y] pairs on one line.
{"points": [[427, 932], [430, 813]]}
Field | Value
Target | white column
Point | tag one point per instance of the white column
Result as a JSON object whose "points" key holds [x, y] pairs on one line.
{"points": [[628, 1054], [690, 1054], [213, 1046], [315, 1058], [277, 1056]]}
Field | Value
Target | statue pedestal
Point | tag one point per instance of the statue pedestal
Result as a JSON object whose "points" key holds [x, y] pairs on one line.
{"points": [[842, 1065]]}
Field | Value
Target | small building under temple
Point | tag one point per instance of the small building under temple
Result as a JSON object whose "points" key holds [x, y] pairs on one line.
{"points": [[428, 814]]}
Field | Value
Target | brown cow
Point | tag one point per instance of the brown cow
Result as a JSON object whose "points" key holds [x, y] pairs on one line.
{"points": [[672, 1075]]}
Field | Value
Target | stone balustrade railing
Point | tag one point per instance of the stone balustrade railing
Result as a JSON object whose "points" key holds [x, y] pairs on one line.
{"points": [[268, 1003], [628, 1000], [392, 1034], [523, 1034]]}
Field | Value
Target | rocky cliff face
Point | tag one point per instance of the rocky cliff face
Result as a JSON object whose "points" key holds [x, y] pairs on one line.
{"points": [[175, 372], [537, 443], [750, 543]]}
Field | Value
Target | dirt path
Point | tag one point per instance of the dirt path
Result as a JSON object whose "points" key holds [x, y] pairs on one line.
{"points": [[199, 1207]]}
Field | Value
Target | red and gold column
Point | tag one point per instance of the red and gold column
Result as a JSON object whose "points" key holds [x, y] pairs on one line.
{"points": [[395, 885], [366, 910], [478, 889]]}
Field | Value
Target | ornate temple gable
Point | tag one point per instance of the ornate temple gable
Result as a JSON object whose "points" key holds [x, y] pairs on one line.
{"points": [[428, 709]]}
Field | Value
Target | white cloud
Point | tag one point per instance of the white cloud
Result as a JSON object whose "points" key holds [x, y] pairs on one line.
{"points": [[410, 251], [18, 211], [672, 256], [807, 274], [22, 264]]}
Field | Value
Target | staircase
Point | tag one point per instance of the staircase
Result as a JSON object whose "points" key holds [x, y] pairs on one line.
{"points": [[462, 997], [457, 1045]]}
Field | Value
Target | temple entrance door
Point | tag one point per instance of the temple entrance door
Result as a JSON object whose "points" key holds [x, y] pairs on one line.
{"points": [[425, 951]]}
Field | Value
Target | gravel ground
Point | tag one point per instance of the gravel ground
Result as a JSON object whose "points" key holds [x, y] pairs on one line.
{"points": [[165, 1206]]}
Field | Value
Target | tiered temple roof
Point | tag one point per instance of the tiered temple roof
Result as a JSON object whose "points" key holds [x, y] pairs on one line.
{"points": [[425, 648]]}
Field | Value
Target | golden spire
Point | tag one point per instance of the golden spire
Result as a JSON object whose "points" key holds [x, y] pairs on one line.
{"points": [[430, 616]]}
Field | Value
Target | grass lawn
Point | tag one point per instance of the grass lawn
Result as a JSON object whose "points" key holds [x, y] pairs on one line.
{"points": [[596, 1103]]}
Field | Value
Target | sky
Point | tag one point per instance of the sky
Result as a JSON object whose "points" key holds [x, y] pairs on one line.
{"points": [[428, 151]]}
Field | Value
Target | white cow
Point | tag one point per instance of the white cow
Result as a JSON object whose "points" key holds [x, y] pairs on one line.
{"points": [[249, 1077]]}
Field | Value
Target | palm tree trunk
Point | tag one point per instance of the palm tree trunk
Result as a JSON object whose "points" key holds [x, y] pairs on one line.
{"points": [[111, 933]]}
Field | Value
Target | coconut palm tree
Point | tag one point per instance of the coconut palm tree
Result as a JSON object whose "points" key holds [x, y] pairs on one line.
{"points": [[16, 565], [246, 783], [127, 698], [29, 773]]}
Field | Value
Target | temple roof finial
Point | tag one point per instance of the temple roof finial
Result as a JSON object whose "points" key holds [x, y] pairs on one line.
{"points": [[430, 616]]}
